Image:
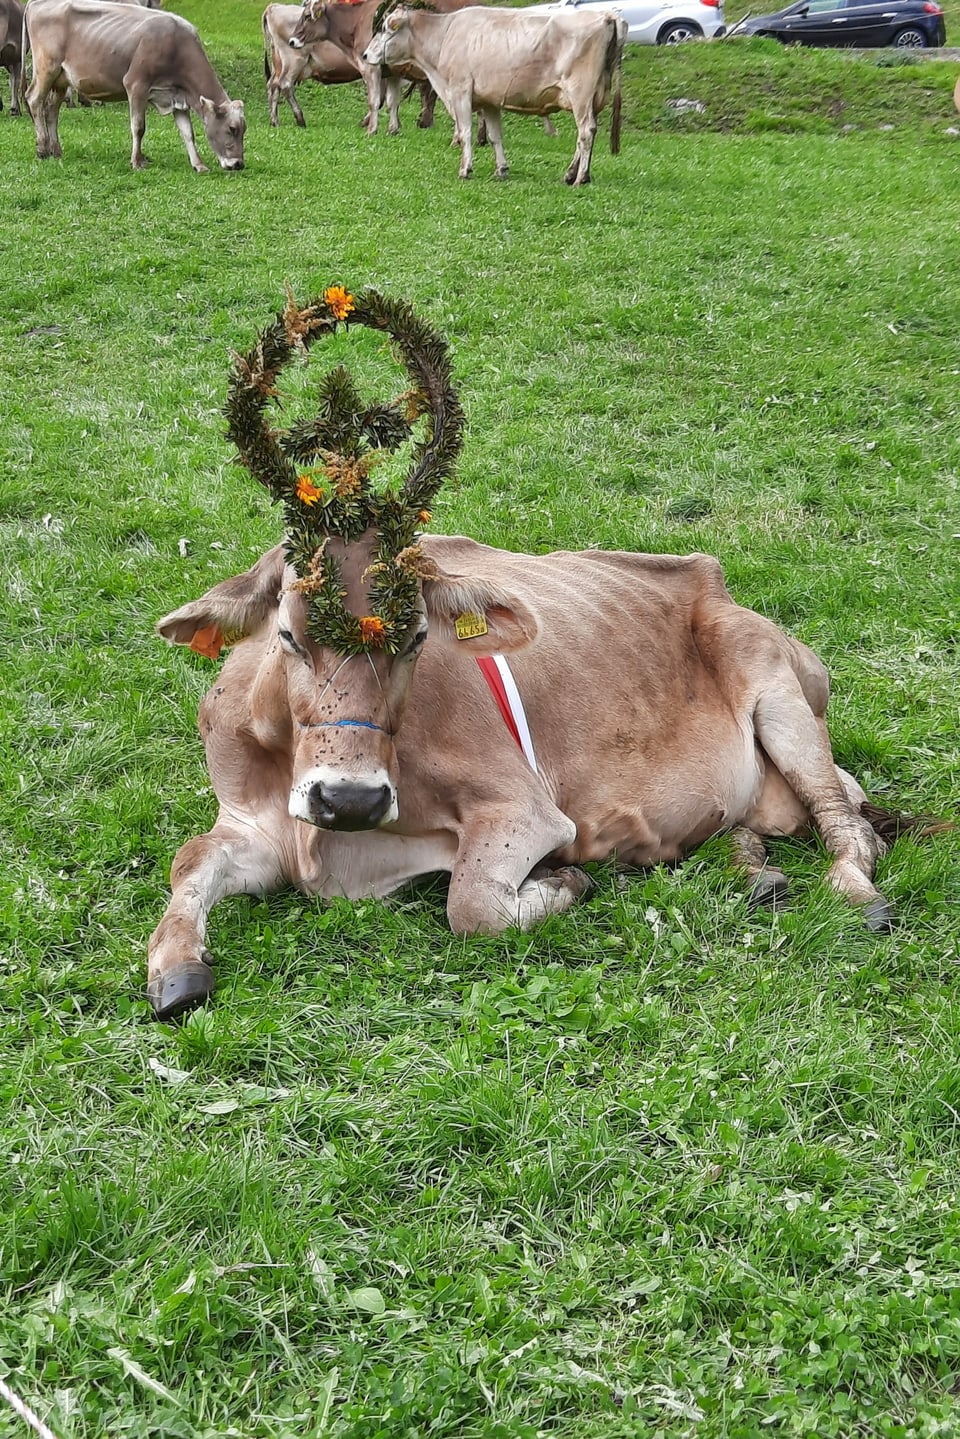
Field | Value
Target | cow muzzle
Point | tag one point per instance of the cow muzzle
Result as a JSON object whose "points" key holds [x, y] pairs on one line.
{"points": [[331, 801]]}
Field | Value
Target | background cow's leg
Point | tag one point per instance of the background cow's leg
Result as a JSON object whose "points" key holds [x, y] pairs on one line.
{"points": [[291, 94], [799, 746], [428, 103], [16, 86], [137, 98], [373, 82], [498, 879], [462, 113], [273, 96], [768, 884], [228, 860], [185, 125], [491, 115], [394, 92], [579, 171], [40, 103]]}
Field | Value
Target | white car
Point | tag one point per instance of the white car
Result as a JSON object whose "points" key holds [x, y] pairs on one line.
{"points": [[655, 22]]}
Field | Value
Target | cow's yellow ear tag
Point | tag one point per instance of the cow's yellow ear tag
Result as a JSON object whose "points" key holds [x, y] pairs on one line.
{"points": [[469, 625]]}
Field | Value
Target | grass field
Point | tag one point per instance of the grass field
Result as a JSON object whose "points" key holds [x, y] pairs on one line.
{"points": [[662, 1167]]}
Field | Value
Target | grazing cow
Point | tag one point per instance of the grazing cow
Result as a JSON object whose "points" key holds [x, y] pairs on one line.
{"points": [[286, 66], [106, 51], [491, 60], [11, 49]]}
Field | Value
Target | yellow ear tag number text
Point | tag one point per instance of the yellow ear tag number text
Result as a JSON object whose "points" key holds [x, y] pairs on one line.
{"points": [[469, 626]]}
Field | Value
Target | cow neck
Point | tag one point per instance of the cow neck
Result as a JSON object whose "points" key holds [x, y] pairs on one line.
{"points": [[502, 685]]}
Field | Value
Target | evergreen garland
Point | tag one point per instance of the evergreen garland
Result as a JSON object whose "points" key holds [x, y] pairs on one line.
{"points": [[319, 469]]}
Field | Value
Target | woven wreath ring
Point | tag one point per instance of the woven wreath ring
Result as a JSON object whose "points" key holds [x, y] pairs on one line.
{"points": [[319, 470]]}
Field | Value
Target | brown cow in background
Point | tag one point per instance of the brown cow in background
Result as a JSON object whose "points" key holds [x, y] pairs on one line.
{"points": [[11, 52]]}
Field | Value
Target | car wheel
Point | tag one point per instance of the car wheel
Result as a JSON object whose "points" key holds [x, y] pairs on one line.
{"points": [[910, 38], [679, 32]]}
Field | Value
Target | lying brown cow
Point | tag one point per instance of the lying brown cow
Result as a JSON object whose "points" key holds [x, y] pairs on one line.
{"points": [[489, 60], [660, 712], [114, 52], [11, 52], [285, 66], [360, 735]]}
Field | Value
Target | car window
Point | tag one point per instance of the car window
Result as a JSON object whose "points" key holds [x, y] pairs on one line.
{"points": [[820, 7]]}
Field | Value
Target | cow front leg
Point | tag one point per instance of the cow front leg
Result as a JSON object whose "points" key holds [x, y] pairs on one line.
{"points": [[185, 126], [768, 884], [370, 74], [491, 115], [228, 860], [394, 92], [16, 86], [138, 123], [500, 880], [294, 104], [799, 746]]}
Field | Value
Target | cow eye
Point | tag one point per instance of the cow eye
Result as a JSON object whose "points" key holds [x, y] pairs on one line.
{"points": [[289, 643], [416, 643]]}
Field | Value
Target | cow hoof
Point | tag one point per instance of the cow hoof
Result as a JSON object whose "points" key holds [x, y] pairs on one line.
{"points": [[501, 174], [182, 989], [576, 880], [769, 890], [879, 915]]}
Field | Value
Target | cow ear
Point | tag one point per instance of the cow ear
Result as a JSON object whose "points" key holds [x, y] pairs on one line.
{"points": [[477, 617], [205, 106], [230, 611]]}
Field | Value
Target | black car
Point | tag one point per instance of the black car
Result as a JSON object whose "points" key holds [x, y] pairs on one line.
{"points": [[907, 24]]}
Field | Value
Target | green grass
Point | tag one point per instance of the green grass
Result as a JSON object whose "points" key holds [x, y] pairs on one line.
{"points": [[662, 1166]]}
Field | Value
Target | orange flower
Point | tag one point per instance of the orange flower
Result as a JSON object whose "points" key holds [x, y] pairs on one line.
{"points": [[372, 630], [308, 492], [337, 299], [424, 517]]}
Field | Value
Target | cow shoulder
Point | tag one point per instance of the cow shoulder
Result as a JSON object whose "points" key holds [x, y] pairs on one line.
{"points": [[233, 610]]}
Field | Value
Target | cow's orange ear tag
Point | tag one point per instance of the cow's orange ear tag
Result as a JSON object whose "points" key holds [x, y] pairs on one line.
{"points": [[208, 641], [469, 625]]}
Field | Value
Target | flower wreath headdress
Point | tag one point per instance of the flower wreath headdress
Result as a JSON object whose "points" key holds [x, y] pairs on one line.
{"points": [[319, 469]]}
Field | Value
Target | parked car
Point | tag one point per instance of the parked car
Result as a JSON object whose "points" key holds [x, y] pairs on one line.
{"points": [[907, 24], [655, 22]]}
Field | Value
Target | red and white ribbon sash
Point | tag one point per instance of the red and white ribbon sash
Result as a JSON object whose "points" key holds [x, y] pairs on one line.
{"points": [[503, 687]]}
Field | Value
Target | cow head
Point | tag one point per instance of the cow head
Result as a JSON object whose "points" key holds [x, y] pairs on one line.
{"points": [[345, 592], [389, 44], [313, 26], [337, 715], [224, 125]]}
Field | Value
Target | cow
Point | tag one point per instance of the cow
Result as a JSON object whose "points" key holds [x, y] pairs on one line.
{"points": [[660, 711], [106, 51], [350, 27], [489, 60], [11, 50], [397, 704], [285, 66]]}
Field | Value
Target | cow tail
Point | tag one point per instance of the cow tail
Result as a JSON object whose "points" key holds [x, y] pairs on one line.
{"points": [[267, 49], [614, 68], [888, 825]]}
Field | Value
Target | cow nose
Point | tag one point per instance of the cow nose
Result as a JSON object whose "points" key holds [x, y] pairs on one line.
{"points": [[349, 806]]}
